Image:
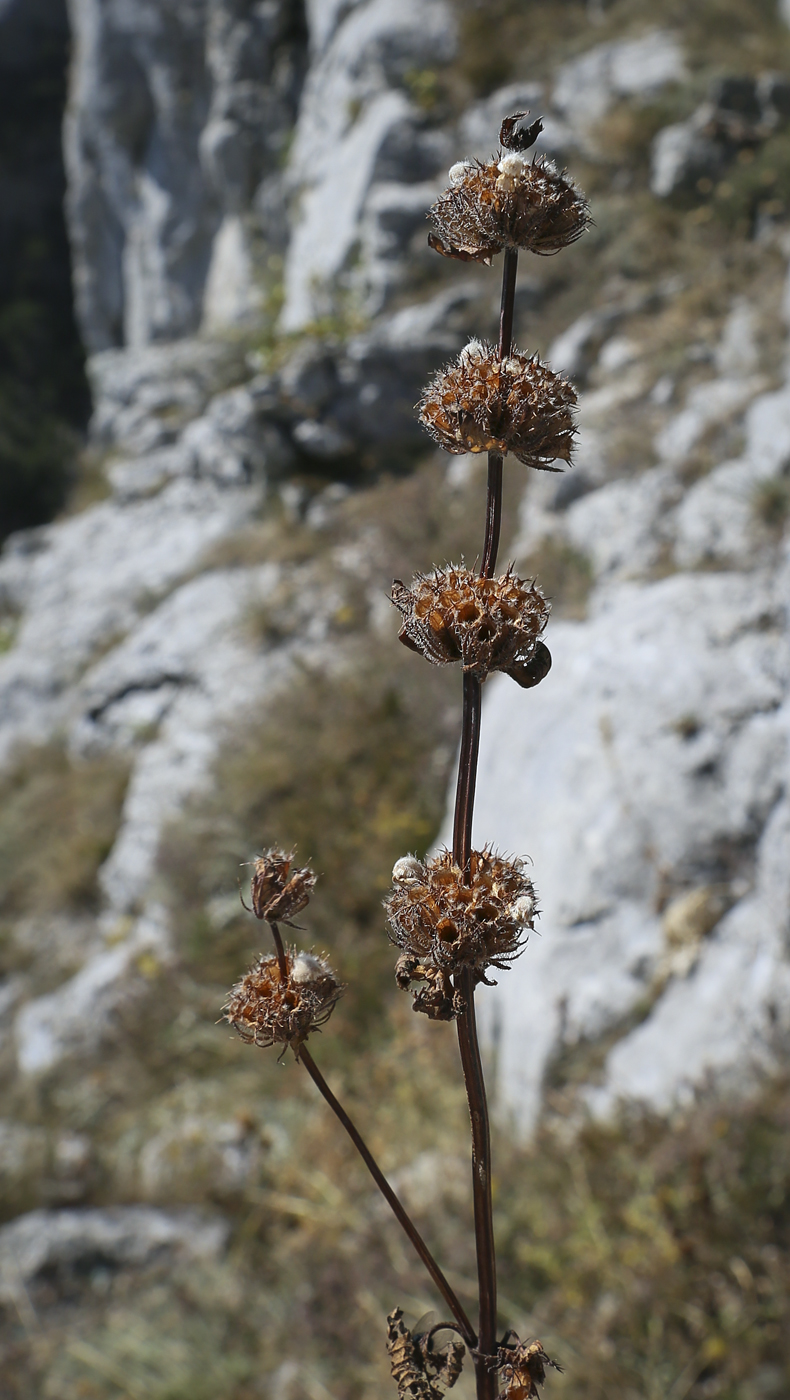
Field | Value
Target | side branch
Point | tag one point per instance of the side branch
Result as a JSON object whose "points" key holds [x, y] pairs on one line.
{"points": [[466, 1329]]}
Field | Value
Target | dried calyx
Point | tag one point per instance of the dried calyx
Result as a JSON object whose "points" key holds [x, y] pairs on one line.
{"points": [[481, 404], [511, 201], [488, 624], [266, 1009], [444, 919], [421, 1369], [523, 1368], [279, 889]]}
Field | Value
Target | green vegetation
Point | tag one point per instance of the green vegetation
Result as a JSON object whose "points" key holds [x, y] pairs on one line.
{"points": [[58, 820]]}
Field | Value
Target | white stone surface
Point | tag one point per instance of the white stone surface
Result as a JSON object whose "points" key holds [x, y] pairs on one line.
{"points": [[586, 88], [350, 105], [122, 1235], [658, 740]]}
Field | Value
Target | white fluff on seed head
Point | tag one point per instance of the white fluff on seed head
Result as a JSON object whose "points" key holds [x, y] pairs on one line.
{"points": [[523, 909], [472, 351], [458, 171], [408, 870], [309, 968], [513, 165]]}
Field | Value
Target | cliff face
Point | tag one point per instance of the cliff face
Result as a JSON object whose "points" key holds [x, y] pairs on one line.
{"points": [[214, 148], [247, 189]]}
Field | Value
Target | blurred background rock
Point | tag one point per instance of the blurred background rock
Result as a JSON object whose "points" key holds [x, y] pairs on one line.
{"points": [[210, 471]]}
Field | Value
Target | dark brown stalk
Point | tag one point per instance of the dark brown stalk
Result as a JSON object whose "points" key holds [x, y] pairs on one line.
{"points": [[282, 961], [466, 1329], [469, 1045]]}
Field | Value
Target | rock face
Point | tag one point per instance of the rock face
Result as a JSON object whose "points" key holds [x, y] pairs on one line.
{"points": [[648, 779], [214, 144], [177, 120]]}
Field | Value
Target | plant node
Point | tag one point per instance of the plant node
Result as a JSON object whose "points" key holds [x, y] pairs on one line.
{"points": [[480, 403], [266, 1010], [488, 624], [445, 919]]}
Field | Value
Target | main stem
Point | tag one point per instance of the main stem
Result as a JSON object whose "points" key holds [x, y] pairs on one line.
{"points": [[465, 1326], [468, 1041]]}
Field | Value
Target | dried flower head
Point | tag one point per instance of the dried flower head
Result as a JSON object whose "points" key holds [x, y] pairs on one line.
{"points": [[488, 624], [511, 201], [421, 1370], [523, 1369], [278, 890], [265, 1010], [435, 994], [518, 405], [441, 920]]}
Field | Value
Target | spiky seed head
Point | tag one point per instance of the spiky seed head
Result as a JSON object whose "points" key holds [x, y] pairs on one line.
{"points": [[511, 201], [486, 624], [434, 992], [518, 405], [448, 922], [266, 1010], [523, 1368], [279, 889]]}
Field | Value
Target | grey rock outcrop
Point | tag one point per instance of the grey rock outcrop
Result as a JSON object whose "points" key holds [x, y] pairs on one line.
{"points": [[656, 759], [742, 113], [358, 130], [178, 115], [116, 1237]]}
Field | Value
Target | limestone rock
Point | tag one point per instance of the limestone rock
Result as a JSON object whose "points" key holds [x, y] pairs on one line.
{"points": [[118, 1237], [157, 184], [655, 754], [357, 126], [587, 87]]}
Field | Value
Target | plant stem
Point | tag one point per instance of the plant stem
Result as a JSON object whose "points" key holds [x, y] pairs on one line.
{"points": [[465, 1326], [468, 1041], [282, 961]]}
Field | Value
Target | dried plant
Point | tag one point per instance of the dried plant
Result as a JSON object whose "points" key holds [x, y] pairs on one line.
{"points": [[480, 403], [452, 918], [267, 1009], [456, 914], [421, 1370], [487, 624]]}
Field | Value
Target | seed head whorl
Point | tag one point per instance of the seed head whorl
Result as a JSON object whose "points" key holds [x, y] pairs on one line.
{"points": [[278, 889], [518, 405], [442, 922], [511, 201], [488, 624], [266, 1011]]}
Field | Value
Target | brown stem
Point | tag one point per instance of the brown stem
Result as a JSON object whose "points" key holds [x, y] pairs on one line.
{"points": [[468, 1041], [481, 1187], [282, 961], [465, 1326], [509, 270], [467, 772]]}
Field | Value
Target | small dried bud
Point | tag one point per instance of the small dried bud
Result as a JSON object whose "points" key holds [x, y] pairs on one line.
{"points": [[523, 1368], [278, 890], [509, 202], [488, 624], [420, 1371], [518, 405], [435, 996], [406, 870], [446, 923], [265, 1010]]}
